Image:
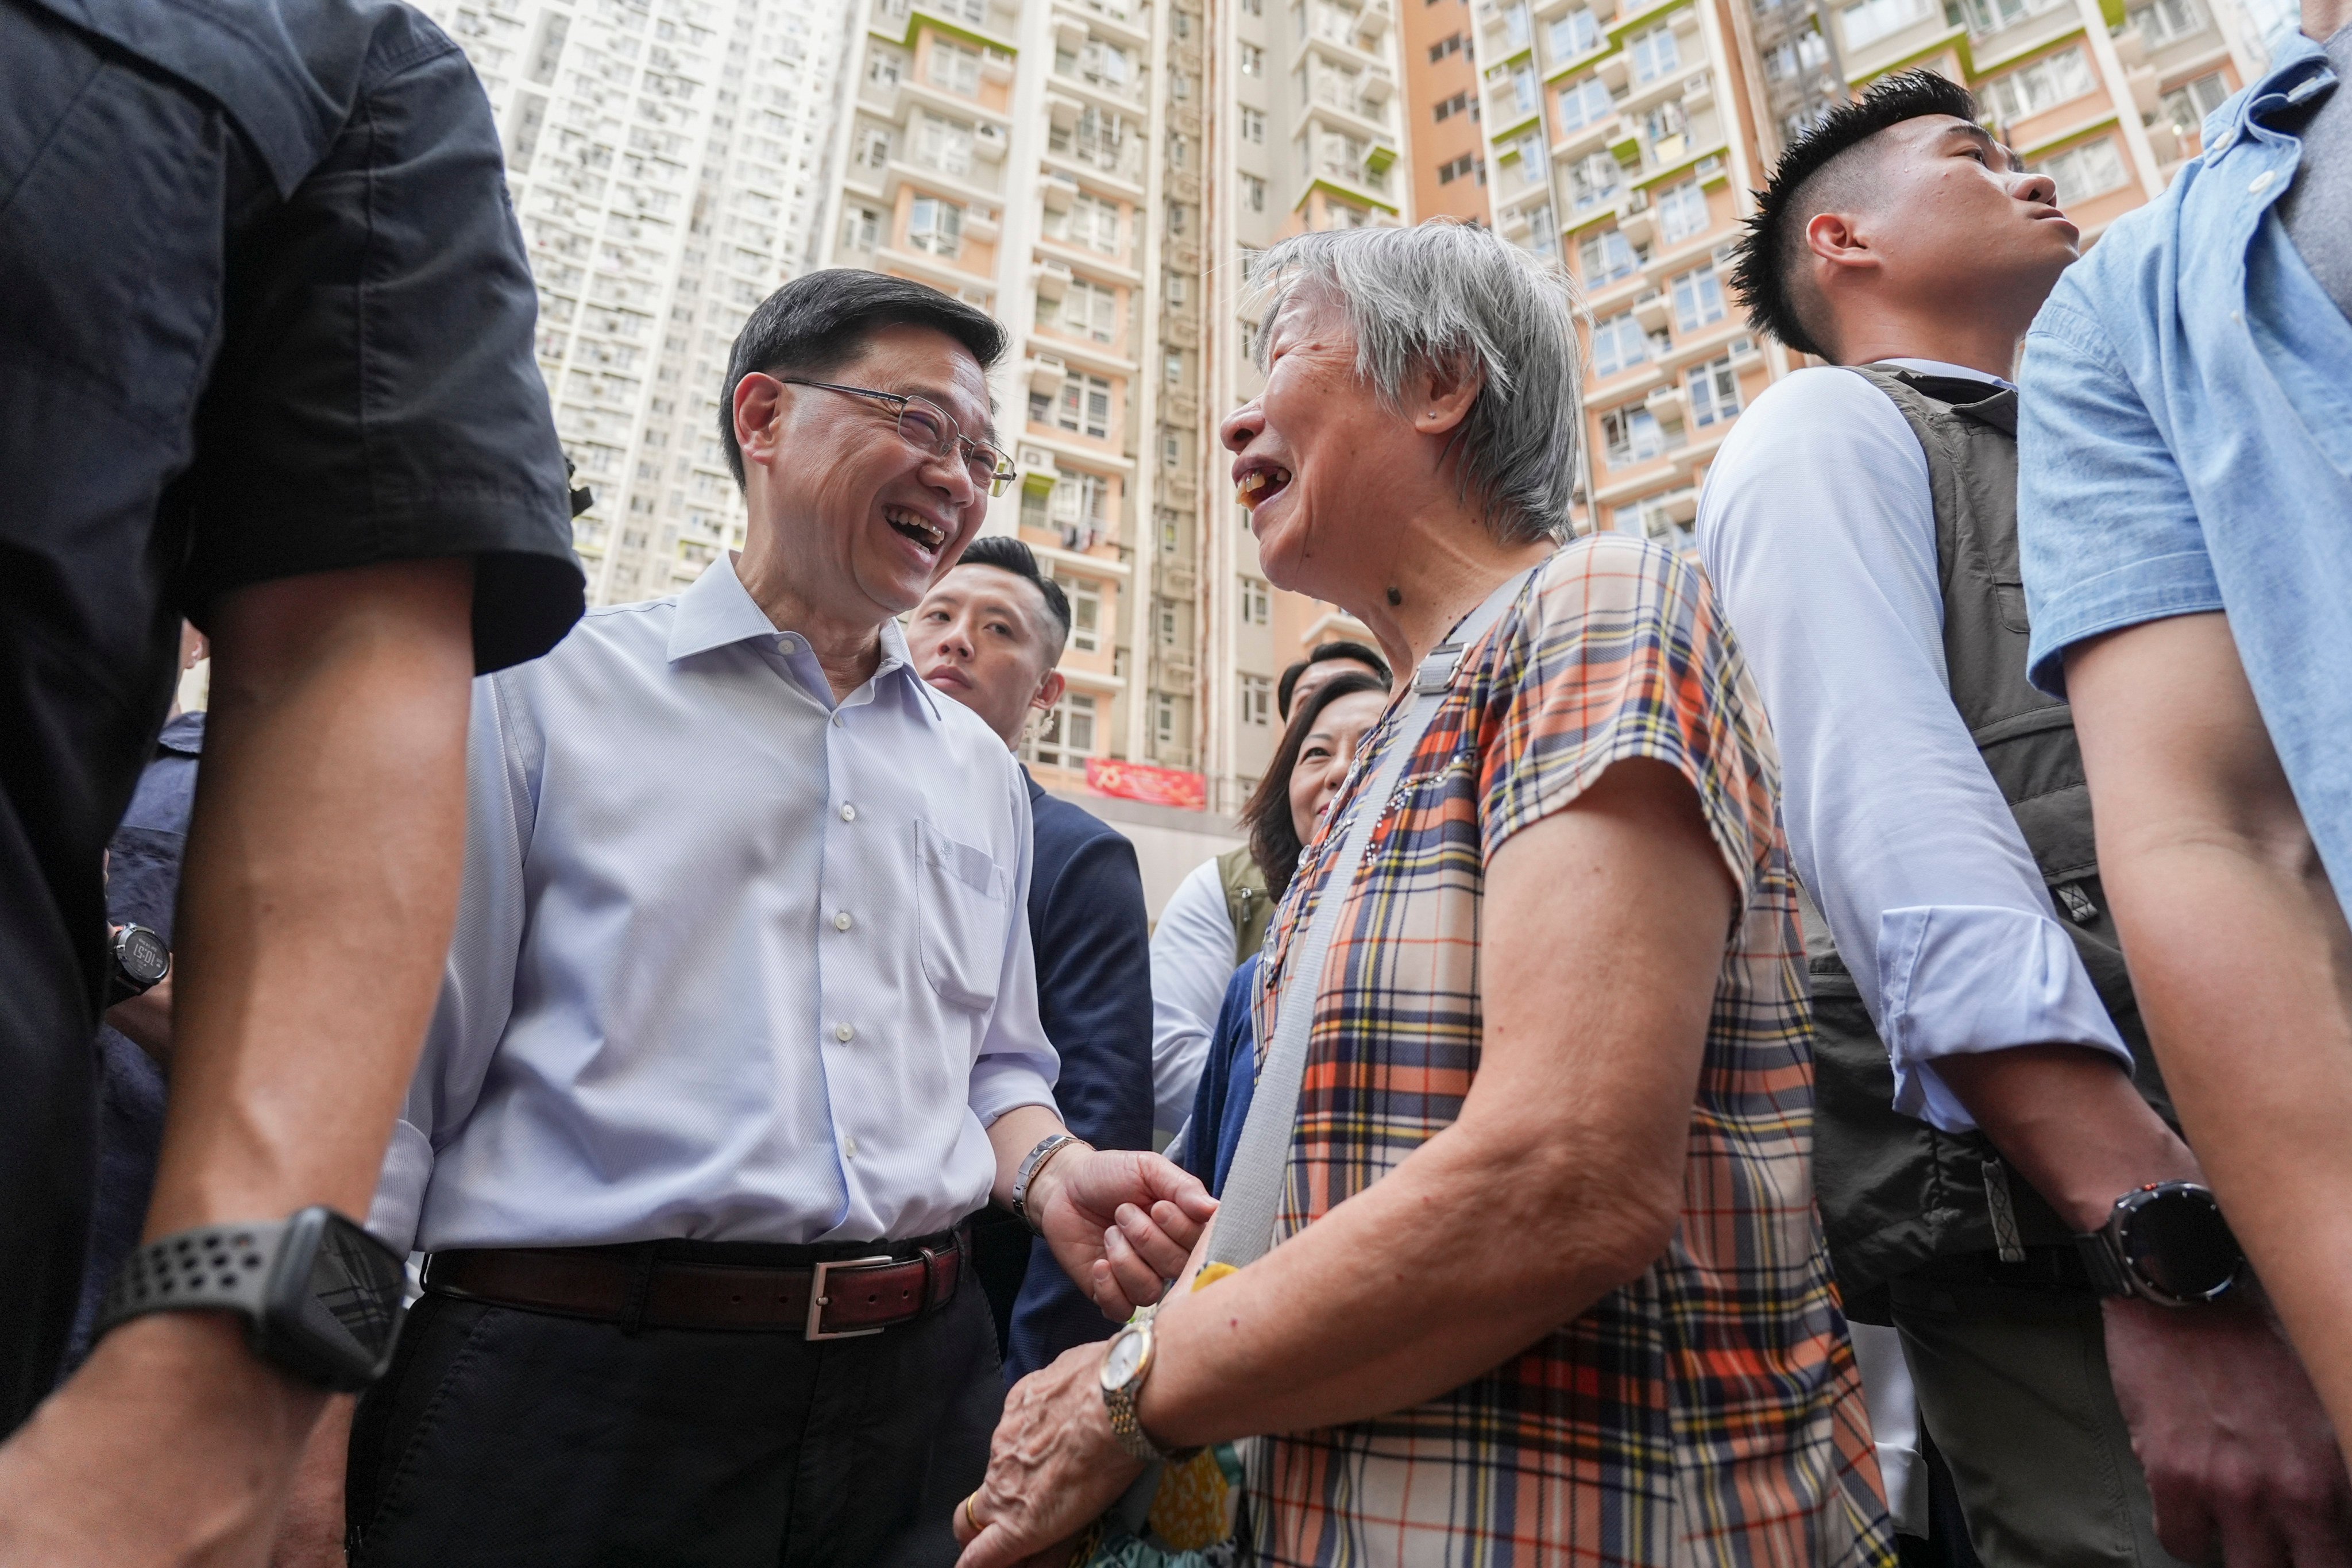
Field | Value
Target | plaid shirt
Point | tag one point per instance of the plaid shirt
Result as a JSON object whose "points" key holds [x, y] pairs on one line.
{"points": [[1710, 1412]]}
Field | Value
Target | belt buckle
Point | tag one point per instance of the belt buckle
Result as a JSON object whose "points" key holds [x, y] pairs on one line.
{"points": [[817, 1299]]}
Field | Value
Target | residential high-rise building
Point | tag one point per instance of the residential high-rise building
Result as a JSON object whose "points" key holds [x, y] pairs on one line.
{"points": [[1442, 106], [1627, 135], [1089, 172], [664, 157]]}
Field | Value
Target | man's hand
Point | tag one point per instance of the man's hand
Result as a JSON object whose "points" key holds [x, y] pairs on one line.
{"points": [[1052, 1469], [311, 1535], [124, 1469], [2242, 1464], [1120, 1222]]}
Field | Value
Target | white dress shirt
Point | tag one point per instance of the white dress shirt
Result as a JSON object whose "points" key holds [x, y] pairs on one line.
{"points": [[1192, 963], [1819, 529], [734, 963]]}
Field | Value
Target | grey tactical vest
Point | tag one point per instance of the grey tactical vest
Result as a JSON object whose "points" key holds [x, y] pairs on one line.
{"points": [[1894, 1192]]}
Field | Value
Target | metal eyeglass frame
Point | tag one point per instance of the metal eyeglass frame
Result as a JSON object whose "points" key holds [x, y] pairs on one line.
{"points": [[1000, 476]]}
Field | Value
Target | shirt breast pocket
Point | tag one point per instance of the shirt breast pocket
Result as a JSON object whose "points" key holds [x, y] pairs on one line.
{"points": [[965, 899]]}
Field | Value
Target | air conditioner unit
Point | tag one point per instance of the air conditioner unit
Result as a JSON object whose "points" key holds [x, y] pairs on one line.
{"points": [[988, 141], [1053, 278], [1046, 373], [1036, 461]]}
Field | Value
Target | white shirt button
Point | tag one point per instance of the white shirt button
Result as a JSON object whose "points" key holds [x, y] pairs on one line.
{"points": [[2261, 182], [844, 1032], [842, 921], [848, 812], [848, 1147], [836, 721], [2221, 145]]}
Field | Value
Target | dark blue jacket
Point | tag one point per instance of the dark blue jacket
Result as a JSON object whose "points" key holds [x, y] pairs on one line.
{"points": [[142, 885], [1093, 945], [1228, 1083]]}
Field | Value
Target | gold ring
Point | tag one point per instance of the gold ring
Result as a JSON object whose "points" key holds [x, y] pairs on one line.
{"points": [[970, 1520]]}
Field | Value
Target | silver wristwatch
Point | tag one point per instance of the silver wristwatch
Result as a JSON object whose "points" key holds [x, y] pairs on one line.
{"points": [[1127, 1362], [1035, 1161]]}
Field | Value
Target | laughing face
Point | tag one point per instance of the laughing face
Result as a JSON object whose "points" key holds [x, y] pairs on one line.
{"points": [[1318, 460], [869, 518]]}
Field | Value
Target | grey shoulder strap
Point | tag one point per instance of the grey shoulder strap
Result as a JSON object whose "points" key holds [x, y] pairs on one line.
{"points": [[1253, 1195]]}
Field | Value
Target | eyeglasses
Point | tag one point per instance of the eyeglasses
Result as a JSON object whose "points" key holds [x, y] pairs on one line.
{"points": [[926, 426]]}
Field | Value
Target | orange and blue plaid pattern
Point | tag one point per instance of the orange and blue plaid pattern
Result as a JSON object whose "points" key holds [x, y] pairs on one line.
{"points": [[1710, 1413]]}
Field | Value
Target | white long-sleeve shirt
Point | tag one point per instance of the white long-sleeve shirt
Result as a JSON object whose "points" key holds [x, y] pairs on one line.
{"points": [[733, 961], [1819, 529], [1192, 962]]}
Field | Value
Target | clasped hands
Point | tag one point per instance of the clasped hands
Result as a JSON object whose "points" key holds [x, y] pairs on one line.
{"points": [[1120, 1222]]}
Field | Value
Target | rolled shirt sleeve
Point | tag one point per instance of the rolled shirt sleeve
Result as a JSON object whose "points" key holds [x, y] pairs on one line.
{"points": [[1017, 1064], [1819, 530], [377, 397], [2106, 530]]}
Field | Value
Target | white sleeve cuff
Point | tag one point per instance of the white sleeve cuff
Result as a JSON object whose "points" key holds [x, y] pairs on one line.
{"points": [[1004, 1083], [399, 1203], [1960, 978]]}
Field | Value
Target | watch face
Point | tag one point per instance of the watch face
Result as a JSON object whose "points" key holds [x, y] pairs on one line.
{"points": [[350, 1310], [144, 955], [2177, 1241], [1124, 1358]]}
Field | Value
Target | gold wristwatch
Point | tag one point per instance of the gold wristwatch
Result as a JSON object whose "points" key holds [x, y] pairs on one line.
{"points": [[1126, 1363]]}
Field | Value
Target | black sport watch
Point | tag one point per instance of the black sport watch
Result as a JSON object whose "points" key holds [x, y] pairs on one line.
{"points": [[320, 1298], [140, 960], [2166, 1243]]}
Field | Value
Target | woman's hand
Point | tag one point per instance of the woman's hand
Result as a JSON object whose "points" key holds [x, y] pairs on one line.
{"points": [[1052, 1469], [1120, 1222]]}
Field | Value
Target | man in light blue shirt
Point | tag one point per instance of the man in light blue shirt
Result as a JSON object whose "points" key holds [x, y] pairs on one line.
{"points": [[2184, 513], [739, 1026]]}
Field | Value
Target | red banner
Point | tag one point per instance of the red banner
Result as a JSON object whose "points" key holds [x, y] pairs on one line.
{"points": [[1142, 780]]}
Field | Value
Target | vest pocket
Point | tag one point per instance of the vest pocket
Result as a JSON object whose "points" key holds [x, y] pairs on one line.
{"points": [[963, 899]]}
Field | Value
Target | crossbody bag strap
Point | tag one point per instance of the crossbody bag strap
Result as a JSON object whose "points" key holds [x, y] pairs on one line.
{"points": [[1252, 1191]]}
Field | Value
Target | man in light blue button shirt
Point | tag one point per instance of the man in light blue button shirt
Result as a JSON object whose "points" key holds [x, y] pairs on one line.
{"points": [[740, 1025], [2185, 511]]}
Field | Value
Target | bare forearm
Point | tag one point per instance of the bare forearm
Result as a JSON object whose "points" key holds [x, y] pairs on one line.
{"points": [[2239, 956], [2242, 966], [2071, 1123], [1423, 1281], [320, 887]]}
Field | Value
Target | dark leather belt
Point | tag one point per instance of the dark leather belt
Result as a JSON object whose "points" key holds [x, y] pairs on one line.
{"points": [[650, 1285]]}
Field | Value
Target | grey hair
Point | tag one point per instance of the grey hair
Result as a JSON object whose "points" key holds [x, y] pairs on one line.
{"points": [[1457, 295]]}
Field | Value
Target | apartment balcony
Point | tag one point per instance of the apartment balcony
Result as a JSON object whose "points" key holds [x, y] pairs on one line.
{"points": [[1118, 22], [1046, 372], [1050, 278], [1577, 145], [1373, 22], [1636, 221], [1102, 90], [1644, 96]]}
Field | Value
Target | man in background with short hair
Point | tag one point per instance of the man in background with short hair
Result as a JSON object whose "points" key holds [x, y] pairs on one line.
{"points": [[1217, 917], [990, 634], [1977, 1113]]}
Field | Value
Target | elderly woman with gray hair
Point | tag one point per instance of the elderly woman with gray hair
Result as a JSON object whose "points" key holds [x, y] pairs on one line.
{"points": [[1549, 1286]]}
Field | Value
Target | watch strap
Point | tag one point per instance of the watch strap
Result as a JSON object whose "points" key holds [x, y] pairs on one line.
{"points": [[2102, 1262], [214, 1268]]}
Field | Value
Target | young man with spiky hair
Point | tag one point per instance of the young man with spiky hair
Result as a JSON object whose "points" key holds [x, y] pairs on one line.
{"points": [[1990, 1128]]}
